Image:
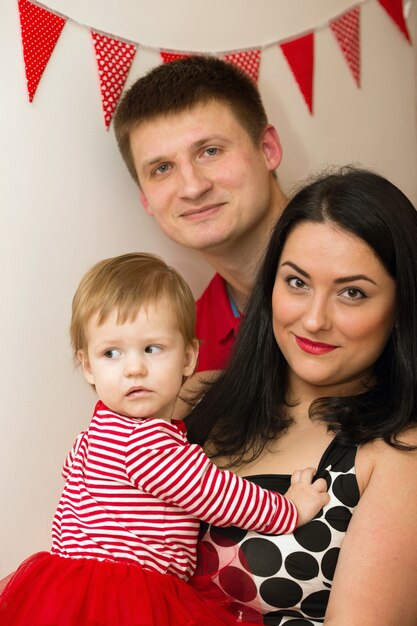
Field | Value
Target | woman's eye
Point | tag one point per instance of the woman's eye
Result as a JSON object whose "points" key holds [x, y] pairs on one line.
{"points": [[152, 349], [295, 282], [113, 353], [353, 293]]}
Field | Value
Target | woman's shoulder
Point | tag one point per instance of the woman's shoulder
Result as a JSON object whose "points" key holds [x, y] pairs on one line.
{"points": [[378, 459]]}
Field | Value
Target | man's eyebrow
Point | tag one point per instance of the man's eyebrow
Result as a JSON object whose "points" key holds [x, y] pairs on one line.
{"points": [[194, 146], [337, 281], [154, 161], [209, 139]]}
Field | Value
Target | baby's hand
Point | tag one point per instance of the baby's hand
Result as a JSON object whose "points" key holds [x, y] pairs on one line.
{"points": [[309, 497]]}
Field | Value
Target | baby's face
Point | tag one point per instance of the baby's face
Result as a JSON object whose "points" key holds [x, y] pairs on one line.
{"points": [[138, 366]]}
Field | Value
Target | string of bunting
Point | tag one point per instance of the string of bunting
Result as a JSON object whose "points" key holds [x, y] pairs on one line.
{"points": [[41, 29]]}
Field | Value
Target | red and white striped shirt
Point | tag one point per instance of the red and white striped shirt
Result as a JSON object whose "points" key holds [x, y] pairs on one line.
{"points": [[136, 489]]}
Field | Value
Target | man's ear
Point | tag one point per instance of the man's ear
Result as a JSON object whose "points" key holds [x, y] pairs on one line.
{"points": [[190, 358], [145, 203], [271, 147], [85, 364]]}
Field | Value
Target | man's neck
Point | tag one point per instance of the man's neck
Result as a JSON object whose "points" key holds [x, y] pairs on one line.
{"points": [[238, 263]]}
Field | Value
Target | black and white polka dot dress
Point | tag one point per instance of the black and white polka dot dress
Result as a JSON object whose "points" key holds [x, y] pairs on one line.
{"points": [[286, 577]]}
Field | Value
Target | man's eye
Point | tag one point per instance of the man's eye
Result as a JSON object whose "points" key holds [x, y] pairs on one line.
{"points": [[113, 353], [161, 169], [211, 151], [153, 349]]}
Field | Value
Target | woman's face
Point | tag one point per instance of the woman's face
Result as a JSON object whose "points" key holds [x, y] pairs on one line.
{"points": [[333, 307]]}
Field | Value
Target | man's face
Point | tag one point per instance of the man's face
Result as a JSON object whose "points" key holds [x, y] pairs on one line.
{"points": [[202, 177]]}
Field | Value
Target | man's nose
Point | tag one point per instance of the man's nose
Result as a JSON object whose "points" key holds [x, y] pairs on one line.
{"points": [[193, 181]]}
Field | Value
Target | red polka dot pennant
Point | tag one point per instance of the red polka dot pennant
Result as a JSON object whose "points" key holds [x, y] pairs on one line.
{"points": [[300, 57], [40, 32], [114, 58], [248, 61], [167, 57], [347, 32]]}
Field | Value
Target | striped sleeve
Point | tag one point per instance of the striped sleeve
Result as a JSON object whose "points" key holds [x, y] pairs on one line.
{"points": [[160, 461], [66, 468]]}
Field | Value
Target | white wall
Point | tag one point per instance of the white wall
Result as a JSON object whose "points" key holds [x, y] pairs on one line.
{"points": [[67, 201]]}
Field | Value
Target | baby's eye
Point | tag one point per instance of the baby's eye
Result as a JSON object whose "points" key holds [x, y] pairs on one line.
{"points": [[113, 353], [152, 349]]}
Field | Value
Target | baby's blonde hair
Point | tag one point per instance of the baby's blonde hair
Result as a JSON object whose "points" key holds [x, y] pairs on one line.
{"points": [[125, 284]]}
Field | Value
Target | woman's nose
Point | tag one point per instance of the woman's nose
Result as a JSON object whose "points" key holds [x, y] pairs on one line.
{"points": [[317, 315]]}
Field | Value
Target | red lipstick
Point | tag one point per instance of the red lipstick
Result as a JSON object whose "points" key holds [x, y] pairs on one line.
{"points": [[313, 347]]}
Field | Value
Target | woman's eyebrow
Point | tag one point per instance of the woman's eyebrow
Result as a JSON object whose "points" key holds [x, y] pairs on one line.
{"points": [[338, 281], [348, 279], [296, 268]]}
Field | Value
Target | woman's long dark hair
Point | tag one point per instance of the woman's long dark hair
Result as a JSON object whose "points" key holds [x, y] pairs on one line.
{"points": [[247, 406]]}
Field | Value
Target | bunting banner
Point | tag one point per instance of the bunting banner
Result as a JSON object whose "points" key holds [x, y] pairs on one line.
{"points": [[300, 57], [347, 32], [395, 10], [248, 61], [41, 29], [114, 58], [172, 56]]}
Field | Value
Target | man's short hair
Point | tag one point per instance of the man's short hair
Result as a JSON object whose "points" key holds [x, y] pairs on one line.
{"points": [[125, 284], [183, 84]]}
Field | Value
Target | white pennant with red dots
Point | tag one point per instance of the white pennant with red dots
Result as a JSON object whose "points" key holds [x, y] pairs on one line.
{"points": [[114, 58], [347, 32], [40, 32]]}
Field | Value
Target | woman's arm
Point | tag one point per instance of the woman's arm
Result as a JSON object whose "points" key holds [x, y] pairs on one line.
{"points": [[376, 575]]}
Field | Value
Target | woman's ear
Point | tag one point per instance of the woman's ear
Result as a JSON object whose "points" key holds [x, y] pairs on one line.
{"points": [[85, 364], [190, 358]]}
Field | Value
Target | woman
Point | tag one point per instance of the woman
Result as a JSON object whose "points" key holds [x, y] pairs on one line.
{"points": [[324, 373]]}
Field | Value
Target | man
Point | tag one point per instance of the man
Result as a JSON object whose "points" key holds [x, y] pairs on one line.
{"points": [[195, 137]]}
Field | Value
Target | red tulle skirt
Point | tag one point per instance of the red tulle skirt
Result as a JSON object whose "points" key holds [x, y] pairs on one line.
{"points": [[49, 590]]}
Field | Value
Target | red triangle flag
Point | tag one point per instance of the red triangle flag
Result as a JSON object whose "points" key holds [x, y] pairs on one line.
{"points": [[300, 56], [172, 56], [394, 8], [248, 61], [347, 32], [40, 32], [114, 58]]}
